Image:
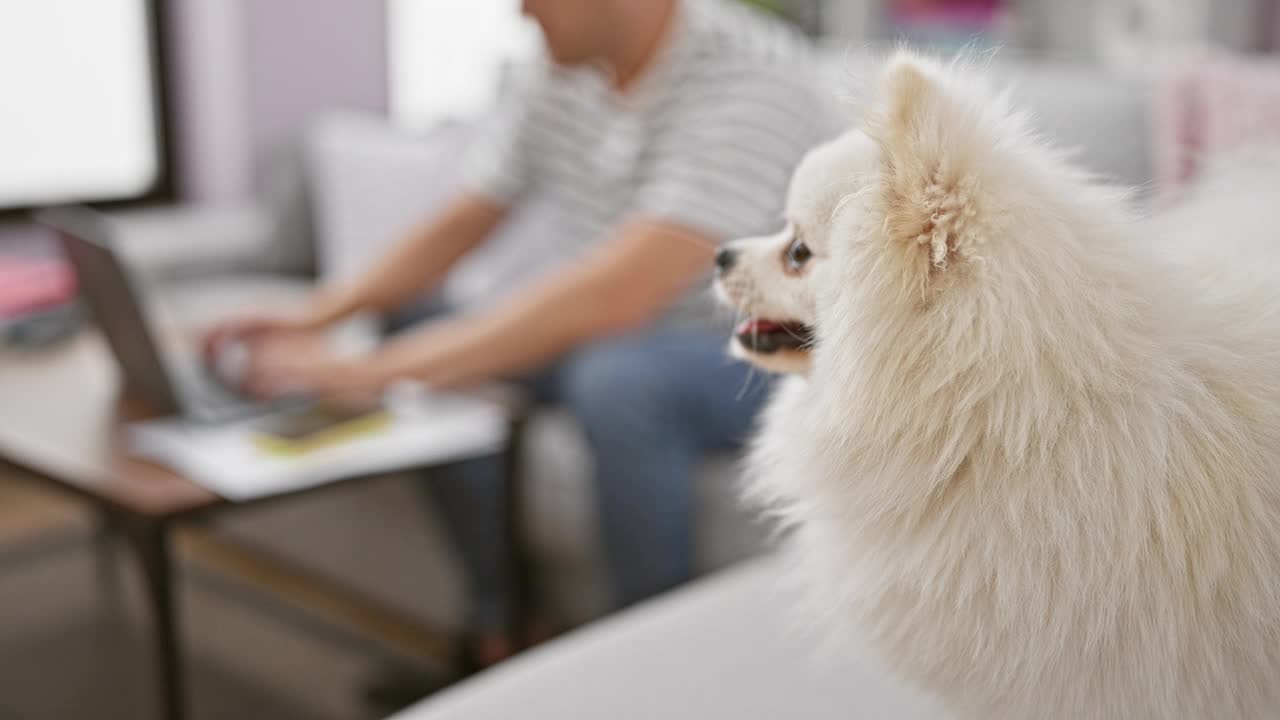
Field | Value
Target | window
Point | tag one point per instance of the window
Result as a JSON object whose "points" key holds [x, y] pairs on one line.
{"points": [[447, 58], [81, 102]]}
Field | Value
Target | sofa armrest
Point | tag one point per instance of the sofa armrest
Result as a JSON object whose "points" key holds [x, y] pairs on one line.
{"points": [[176, 244]]}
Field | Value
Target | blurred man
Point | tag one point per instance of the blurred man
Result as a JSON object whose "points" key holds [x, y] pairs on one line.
{"points": [[657, 129]]}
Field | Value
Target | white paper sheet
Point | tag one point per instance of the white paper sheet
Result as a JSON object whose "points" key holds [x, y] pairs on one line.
{"points": [[225, 460]]}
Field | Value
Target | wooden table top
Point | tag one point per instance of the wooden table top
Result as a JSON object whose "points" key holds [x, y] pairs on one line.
{"points": [[62, 416]]}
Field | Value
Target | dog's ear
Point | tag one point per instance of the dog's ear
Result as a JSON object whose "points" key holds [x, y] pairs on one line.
{"points": [[930, 150]]}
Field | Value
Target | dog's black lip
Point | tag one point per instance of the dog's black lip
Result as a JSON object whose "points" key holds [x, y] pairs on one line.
{"points": [[790, 336]]}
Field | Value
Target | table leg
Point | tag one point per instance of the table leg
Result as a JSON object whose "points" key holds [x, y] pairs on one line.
{"points": [[106, 567], [149, 541], [520, 578]]}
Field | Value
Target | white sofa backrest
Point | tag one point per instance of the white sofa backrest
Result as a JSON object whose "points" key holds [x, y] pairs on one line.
{"points": [[369, 182], [1103, 114]]}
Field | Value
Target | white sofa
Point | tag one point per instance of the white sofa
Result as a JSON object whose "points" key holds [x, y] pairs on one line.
{"points": [[727, 646], [357, 183]]}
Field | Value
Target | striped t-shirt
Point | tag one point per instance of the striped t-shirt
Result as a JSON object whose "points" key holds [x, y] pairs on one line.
{"points": [[706, 138]]}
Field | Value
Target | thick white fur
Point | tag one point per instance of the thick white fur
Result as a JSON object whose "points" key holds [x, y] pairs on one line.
{"points": [[1036, 461]]}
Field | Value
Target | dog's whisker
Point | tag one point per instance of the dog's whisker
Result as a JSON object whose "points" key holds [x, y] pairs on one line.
{"points": [[803, 337]]}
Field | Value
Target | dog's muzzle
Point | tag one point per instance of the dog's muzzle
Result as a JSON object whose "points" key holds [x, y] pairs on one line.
{"points": [[768, 336]]}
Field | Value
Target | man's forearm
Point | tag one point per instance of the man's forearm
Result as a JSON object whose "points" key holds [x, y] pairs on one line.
{"points": [[521, 334], [620, 289], [416, 263]]}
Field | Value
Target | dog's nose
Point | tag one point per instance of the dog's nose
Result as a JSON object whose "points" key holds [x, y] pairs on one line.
{"points": [[725, 259]]}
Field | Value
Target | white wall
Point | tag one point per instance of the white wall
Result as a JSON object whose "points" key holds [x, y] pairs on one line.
{"points": [[208, 77], [247, 74], [303, 56], [447, 58]]}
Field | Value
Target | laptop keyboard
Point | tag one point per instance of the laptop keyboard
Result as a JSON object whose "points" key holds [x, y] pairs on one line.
{"points": [[208, 398]]}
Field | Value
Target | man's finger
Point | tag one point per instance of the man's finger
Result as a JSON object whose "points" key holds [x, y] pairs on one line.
{"points": [[218, 336], [210, 341], [276, 377], [260, 374]]}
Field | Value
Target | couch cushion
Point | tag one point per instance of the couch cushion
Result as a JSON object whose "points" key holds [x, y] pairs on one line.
{"points": [[174, 245], [371, 182]]}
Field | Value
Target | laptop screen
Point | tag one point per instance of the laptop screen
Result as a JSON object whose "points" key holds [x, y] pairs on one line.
{"points": [[106, 288]]}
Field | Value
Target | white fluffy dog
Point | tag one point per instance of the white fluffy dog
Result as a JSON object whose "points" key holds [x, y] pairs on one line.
{"points": [[1031, 450]]}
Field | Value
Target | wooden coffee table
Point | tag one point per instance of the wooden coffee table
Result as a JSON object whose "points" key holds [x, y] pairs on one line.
{"points": [[63, 418]]}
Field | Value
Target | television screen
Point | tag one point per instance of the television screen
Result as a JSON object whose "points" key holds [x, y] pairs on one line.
{"points": [[79, 118]]}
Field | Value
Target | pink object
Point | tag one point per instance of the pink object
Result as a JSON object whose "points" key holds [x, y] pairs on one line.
{"points": [[31, 284], [964, 13], [1211, 104]]}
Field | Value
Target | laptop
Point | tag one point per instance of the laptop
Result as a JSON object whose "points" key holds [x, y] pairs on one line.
{"points": [[172, 378]]}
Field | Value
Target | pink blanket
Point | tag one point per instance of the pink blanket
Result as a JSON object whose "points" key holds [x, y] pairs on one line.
{"points": [[1208, 105], [28, 284]]}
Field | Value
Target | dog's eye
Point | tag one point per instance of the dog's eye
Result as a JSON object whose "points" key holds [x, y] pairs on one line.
{"points": [[797, 255]]}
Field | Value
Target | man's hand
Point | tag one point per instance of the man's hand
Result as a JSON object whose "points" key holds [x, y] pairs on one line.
{"points": [[253, 326], [267, 338], [416, 264], [313, 370]]}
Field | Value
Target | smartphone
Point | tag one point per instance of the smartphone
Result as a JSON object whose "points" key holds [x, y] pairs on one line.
{"points": [[318, 425]]}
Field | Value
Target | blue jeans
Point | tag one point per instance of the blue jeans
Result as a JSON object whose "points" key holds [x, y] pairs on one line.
{"points": [[652, 405]]}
